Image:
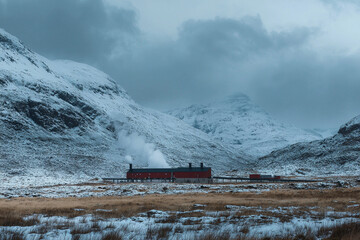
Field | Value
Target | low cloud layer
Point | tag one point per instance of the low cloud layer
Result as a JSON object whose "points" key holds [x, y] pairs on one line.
{"points": [[285, 71]]}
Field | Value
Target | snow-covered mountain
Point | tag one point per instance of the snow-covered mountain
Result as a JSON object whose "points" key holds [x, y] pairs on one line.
{"points": [[337, 155], [62, 118], [239, 122]]}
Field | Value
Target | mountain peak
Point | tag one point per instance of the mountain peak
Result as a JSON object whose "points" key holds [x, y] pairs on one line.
{"points": [[237, 121], [238, 97]]}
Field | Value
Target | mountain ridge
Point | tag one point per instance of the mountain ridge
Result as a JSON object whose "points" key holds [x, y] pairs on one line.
{"points": [[335, 155], [62, 118], [237, 121]]}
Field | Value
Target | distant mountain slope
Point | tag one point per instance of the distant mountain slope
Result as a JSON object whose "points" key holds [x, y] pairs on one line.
{"points": [[339, 154], [62, 117], [242, 124]]}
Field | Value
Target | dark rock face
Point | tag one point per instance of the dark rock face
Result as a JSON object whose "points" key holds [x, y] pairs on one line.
{"points": [[346, 130], [76, 113], [103, 89], [5, 40], [18, 126], [5, 80], [54, 120], [76, 102], [10, 44], [67, 97]]}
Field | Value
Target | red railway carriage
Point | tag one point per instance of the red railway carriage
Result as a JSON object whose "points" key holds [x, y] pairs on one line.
{"points": [[263, 177], [169, 173], [255, 176]]}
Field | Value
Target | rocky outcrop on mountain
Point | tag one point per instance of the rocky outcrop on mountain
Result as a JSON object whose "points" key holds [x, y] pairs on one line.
{"points": [[339, 154]]}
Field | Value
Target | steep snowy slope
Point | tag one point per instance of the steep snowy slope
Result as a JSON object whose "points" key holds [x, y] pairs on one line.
{"points": [[239, 122], [62, 118], [339, 154]]}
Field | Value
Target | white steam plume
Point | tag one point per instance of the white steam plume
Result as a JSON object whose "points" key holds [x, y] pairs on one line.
{"points": [[136, 146], [128, 159]]}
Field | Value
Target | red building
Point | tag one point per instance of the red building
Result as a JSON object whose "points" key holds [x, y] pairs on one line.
{"points": [[181, 174]]}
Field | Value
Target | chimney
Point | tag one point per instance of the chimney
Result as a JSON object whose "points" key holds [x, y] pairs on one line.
{"points": [[130, 165], [202, 165], [189, 165]]}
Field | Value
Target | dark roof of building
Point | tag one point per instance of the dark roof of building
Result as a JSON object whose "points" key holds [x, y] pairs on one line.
{"points": [[180, 169]]}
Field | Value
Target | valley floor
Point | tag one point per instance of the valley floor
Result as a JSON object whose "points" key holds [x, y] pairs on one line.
{"points": [[324, 210]]}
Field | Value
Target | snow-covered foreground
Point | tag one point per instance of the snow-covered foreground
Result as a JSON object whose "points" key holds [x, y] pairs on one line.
{"points": [[235, 222], [181, 211]]}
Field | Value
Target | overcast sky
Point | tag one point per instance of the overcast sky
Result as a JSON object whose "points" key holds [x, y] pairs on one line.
{"points": [[299, 60]]}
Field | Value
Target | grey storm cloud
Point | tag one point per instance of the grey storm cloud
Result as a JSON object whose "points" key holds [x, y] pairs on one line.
{"points": [[237, 39], [214, 58], [315, 91], [206, 60], [74, 29], [209, 59]]}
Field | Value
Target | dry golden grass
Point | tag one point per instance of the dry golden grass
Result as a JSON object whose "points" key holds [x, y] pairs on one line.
{"points": [[338, 199], [112, 236], [8, 218], [12, 211], [347, 231]]}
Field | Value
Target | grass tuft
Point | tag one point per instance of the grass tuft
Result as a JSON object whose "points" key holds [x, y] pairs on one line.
{"points": [[113, 235], [346, 231], [9, 219]]}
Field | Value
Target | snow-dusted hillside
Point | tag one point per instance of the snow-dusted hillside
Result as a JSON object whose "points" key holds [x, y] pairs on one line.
{"points": [[61, 118], [337, 155], [242, 124]]}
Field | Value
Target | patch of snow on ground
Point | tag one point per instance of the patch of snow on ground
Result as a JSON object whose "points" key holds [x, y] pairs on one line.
{"points": [[148, 225]]}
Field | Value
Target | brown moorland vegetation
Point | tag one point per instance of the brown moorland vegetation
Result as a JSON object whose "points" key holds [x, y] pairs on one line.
{"points": [[13, 210], [339, 199]]}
